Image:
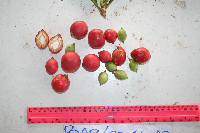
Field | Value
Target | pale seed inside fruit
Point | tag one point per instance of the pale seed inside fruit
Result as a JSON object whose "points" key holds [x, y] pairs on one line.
{"points": [[55, 44], [42, 40]]}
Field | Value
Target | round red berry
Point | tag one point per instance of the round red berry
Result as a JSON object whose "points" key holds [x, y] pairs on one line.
{"points": [[110, 35]]}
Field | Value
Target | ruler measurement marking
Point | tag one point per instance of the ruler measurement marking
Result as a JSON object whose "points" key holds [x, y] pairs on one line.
{"points": [[116, 114]]}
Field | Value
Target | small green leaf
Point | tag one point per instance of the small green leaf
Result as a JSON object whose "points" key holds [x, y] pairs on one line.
{"points": [[109, 3], [96, 4]]}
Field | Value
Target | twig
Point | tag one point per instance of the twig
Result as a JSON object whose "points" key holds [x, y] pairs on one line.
{"points": [[109, 3], [104, 5], [95, 3]]}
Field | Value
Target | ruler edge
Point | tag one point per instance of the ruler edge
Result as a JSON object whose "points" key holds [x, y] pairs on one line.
{"points": [[28, 113], [116, 106]]}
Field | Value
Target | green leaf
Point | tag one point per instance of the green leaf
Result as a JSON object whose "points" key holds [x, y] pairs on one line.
{"points": [[95, 3], [109, 3]]}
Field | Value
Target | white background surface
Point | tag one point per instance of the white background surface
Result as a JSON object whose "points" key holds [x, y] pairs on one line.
{"points": [[170, 29], [116, 128]]}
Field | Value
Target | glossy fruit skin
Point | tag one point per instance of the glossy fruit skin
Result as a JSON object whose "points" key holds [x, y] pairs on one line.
{"points": [[60, 83], [133, 65], [111, 66], [140, 55], [70, 62], [70, 48], [91, 62], [119, 56], [79, 30], [110, 35], [122, 35], [120, 74], [96, 39], [51, 66], [103, 78], [105, 56]]}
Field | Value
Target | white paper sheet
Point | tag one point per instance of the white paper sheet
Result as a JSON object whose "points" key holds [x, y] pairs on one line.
{"points": [[114, 128]]}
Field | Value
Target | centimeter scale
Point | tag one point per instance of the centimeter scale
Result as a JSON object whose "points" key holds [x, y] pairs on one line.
{"points": [[114, 114]]}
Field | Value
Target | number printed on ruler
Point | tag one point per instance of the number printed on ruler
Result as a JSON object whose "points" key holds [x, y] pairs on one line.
{"points": [[114, 128]]}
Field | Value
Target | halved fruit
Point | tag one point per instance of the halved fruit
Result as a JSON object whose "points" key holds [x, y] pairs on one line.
{"points": [[42, 39], [55, 44]]}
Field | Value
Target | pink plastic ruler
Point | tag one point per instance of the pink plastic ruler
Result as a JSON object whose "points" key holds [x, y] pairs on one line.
{"points": [[114, 114]]}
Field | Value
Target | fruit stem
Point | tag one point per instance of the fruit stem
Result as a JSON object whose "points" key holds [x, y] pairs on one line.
{"points": [[95, 3], [105, 5], [109, 3]]}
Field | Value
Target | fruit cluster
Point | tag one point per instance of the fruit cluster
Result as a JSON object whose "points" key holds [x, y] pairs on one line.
{"points": [[70, 61]]}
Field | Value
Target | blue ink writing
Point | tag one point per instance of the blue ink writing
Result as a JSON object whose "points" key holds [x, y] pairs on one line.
{"points": [[72, 127]]}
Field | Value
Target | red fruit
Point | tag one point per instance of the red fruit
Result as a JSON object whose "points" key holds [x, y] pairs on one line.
{"points": [[96, 38], [119, 56], [55, 44], [105, 56], [110, 35], [42, 39], [79, 29], [70, 62], [91, 62], [140, 55], [51, 66], [60, 83]]}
